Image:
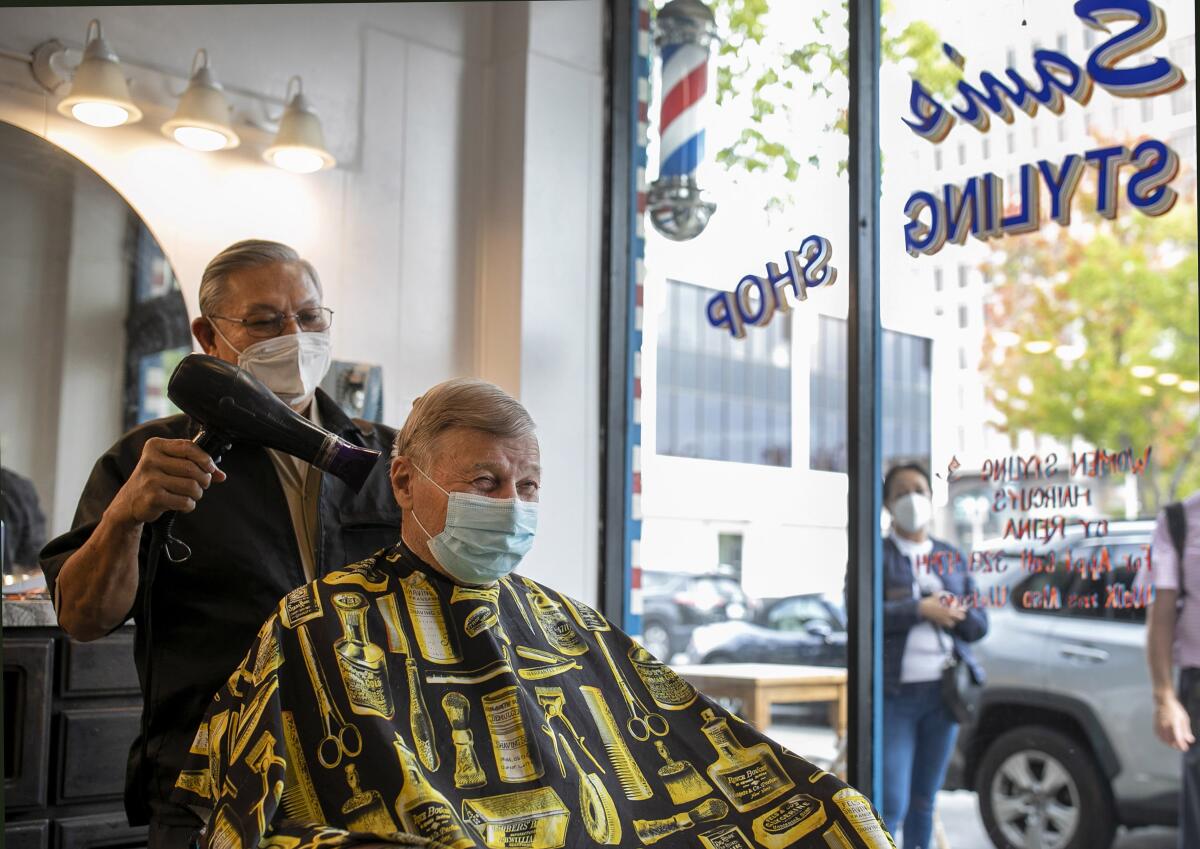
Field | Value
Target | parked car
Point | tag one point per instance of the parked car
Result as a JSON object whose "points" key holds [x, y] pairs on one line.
{"points": [[805, 629], [674, 603], [1063, 749]]}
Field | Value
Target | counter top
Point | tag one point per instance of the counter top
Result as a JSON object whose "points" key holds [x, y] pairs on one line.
{"points": [[29, 613]]}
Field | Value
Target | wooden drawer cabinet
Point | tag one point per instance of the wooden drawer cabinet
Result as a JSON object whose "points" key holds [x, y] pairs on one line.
{"points": [[27, 704], [71, 712], [101, 668], [93, 748]]}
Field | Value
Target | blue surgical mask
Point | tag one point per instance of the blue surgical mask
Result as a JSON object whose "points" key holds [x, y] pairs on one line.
{"points": [[484, 538]]}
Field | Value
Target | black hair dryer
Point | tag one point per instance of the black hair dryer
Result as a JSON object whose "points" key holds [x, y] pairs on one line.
{"points": [[232, 405]]}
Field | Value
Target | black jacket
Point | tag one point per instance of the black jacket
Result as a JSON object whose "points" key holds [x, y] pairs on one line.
{"points": [[900, 608], [208, 609]]}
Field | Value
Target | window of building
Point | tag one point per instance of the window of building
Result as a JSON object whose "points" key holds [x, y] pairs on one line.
{"points": [[962, 357], [964, 275], [1147, 108], [937, 280], [962, 154], [729, 554], [962, 315], [721, 398], [1061, 42], [906, 397], [1183, 99], [986, 148], [1033, 135], [1011, 139], [937, 159]]}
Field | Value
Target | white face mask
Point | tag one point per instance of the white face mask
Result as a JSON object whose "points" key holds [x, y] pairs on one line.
{"points": [[912, 512], [291, 366]]}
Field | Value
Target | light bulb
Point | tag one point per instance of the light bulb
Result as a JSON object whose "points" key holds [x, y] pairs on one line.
{"points": [[297, 160], [97, 114], [199, 138]]}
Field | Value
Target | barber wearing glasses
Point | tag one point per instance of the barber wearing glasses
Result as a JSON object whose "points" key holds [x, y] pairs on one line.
{"points": [[258, 526]]}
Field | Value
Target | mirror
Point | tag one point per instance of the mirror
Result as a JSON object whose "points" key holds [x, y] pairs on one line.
{"points": [[91, 324]]}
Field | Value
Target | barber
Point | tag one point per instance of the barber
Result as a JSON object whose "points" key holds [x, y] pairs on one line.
{"points": [[258, 526]]}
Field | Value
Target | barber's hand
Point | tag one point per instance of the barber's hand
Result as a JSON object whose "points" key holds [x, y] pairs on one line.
{"points": [[172, 474], [941, 610], [1171, 723]]}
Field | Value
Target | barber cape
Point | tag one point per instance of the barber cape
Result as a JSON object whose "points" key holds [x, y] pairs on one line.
{"points": [[385, 701]]}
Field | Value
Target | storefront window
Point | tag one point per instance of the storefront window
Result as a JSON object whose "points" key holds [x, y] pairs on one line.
{"points": [[1063, 401], [1039, 395]]}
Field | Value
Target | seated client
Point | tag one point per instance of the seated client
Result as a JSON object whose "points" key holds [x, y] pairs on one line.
{"points": [[429, 696]]}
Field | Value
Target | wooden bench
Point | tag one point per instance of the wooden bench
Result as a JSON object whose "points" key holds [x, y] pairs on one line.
{"points": [[760, 685]]}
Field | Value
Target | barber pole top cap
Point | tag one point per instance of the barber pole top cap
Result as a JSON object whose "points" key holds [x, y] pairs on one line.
{"points": [[685, 22]]}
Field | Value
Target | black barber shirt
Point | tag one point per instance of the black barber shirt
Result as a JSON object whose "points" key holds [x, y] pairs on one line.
{"points": [[207, 610]]}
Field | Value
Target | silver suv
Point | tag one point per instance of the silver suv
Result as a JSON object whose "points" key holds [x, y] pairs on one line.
{"points": [[1063, 750]]}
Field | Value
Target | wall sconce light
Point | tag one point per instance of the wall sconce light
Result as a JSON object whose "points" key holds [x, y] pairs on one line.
{"points": [[299, 145], [99, 95], [201, 120]]}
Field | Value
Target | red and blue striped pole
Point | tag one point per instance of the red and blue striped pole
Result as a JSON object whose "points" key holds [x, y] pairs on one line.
{"points": [[684, 30]]}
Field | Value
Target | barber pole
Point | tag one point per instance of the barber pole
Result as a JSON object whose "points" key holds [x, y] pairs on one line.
{"points": [[684, 31]]}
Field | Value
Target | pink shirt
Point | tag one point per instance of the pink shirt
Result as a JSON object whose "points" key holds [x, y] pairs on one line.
{"points": [[1166, 577]]}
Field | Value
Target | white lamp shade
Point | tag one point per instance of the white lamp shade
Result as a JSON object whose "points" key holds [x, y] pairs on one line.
{"points": [[99, 95], [99, 88], [201, 120], [300, 143]]}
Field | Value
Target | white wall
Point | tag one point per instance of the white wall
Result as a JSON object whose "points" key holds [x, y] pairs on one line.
{"points": [[460, 232], [61, 334]]}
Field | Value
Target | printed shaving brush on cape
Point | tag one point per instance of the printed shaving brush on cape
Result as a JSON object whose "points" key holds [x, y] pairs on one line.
{"points": [[230, 402]]}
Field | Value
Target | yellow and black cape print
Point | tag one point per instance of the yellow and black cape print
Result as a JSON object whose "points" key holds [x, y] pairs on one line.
{"points": [[385, 701]]}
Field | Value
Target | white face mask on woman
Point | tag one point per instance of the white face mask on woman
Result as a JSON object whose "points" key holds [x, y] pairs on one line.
{"points": [[912, 512], [291, 366]]}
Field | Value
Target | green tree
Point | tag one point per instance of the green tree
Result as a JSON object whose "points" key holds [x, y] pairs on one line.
{"points": [[776, 72], [1117, 294]]}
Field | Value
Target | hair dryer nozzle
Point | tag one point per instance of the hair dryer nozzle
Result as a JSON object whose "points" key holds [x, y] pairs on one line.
{"points": [[351, 463], [227, 399]]}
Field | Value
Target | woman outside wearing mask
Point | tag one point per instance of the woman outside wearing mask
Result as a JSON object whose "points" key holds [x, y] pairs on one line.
{"points": [[925, 624]]}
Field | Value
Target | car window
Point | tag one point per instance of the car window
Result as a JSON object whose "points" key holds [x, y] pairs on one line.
{"points": [[1129, 590], [1043, 593], [726, 589], [794, 614], [1100, 581], [656, 582]]}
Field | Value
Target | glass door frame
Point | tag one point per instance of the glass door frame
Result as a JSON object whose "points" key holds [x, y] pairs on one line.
{"points": [[627, 45]]}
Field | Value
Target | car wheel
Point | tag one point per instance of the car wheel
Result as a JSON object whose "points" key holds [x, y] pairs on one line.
{"points": [[657, 640], [1040, 789]]}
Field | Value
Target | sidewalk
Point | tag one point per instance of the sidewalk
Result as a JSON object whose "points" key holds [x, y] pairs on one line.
{"points": [[957, 809]]}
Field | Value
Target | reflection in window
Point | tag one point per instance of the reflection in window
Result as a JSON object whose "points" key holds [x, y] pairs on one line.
{"points": [[156, 328], [906, 397], [721, 398]]}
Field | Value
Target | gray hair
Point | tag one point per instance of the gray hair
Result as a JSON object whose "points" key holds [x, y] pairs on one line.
{"points": [[248, 253], [461, 402]]}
